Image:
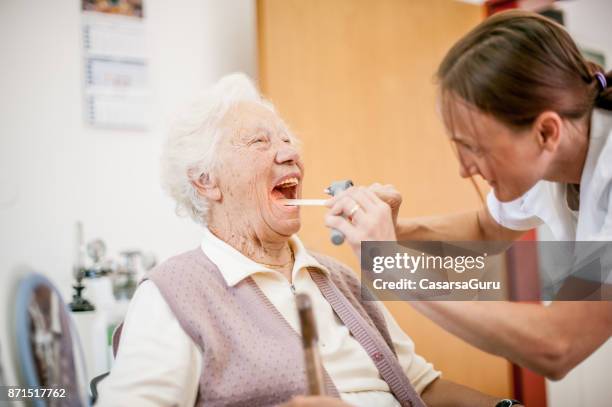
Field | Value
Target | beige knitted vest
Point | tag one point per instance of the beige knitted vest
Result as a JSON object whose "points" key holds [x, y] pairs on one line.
{"points": [[251, 356]]}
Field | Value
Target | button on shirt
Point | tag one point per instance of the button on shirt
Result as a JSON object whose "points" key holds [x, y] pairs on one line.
{"points": [[145, 342]]}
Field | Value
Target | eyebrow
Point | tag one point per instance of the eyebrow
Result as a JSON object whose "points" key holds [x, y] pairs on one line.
{"points": [[455, 138], [250, 131]]}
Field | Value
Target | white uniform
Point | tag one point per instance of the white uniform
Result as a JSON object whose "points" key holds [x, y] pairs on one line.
{"points": [[546, 203]]}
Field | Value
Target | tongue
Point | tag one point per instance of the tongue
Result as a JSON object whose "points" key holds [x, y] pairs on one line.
{"points": [[277, 194]]}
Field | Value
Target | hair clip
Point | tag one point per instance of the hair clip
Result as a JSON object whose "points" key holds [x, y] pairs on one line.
{"points": [[602, 80]]}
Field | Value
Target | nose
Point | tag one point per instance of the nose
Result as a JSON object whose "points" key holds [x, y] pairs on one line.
{"points": [[468, 172], [287, 154], [467, 167]]}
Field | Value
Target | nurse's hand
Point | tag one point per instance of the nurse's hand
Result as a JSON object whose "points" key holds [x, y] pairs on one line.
{"points": [[361, 215], [390, 196], [315, 401]]}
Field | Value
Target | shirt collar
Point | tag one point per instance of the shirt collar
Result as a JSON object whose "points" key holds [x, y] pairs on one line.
{"points": [[601, 123], [599, 138], [235, 266]]}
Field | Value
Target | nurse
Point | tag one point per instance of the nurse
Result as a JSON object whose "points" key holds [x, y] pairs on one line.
{"points": [[532, 117]]}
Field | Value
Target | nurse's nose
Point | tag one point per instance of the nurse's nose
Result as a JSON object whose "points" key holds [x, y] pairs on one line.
{"points": [[467, 171], [467, 166]]}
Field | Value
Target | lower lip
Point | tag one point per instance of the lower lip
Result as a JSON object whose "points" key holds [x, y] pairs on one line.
{"points": [[287, 208], [279, 202]]}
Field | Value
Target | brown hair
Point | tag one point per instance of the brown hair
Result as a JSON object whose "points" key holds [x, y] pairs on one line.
{"points": [[516, 65]]}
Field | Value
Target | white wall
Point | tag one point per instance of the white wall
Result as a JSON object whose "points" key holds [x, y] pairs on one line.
{"points": [[588, 21], [55, 170], [589, 384]]}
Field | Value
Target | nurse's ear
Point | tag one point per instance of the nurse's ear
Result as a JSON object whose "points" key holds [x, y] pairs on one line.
{"points": [[548, 126], [206, 185]]}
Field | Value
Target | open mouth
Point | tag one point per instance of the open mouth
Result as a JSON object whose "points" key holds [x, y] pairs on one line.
{"points": [[287, 188]]}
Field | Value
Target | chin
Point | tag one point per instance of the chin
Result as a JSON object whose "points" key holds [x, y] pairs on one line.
{"points": [[288, 227], [284, 223], [280, 220], [503, 195]]}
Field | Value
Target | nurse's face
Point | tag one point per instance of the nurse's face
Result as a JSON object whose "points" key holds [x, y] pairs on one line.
{"points": [[510, 160]]}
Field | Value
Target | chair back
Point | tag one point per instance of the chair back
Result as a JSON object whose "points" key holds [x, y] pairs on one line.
{"points": [[46, 344]]}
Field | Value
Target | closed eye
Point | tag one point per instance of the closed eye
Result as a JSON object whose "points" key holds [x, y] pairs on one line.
{"points": [[470, 148], [259, 138]]}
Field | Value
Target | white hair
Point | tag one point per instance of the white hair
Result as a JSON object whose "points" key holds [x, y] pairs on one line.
{"points": [[189, 151]]}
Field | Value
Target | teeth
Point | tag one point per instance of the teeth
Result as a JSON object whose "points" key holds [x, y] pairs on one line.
{"points": [[289, 182]]}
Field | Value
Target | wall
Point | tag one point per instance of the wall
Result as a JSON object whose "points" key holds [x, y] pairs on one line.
{"points": [[354, 78], [54, 170], [588, 21]]}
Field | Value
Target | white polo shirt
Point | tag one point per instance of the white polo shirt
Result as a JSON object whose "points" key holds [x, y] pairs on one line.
{"points": [[159, 364]]}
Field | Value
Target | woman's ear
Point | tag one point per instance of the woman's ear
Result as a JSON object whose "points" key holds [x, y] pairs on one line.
{"points": [[548, 126], [206, 186]]}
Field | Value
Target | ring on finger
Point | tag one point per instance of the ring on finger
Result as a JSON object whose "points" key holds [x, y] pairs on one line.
{"points": [[354, 209]]}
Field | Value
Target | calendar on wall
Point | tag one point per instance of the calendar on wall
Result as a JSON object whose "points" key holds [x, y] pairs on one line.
{"points": [[116, 66]]}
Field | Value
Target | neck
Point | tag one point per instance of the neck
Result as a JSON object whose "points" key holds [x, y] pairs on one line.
{"points": [[242, 236], [571, 154]]}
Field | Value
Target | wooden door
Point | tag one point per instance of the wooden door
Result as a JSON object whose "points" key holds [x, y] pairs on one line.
{"points": [[355, 80]]}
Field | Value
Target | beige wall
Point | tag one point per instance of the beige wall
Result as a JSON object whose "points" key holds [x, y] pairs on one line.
{"points": [[354, 79]]}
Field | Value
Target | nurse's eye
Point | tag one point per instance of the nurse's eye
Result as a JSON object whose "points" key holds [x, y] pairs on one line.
{"points": [[472, 149], [477, 151]]}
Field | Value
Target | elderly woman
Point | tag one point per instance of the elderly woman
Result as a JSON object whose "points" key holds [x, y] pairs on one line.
{"points": [[218, 325]]}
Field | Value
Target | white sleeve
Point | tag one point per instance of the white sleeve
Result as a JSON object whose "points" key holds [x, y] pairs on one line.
{"points": [[605, 235], [157, 363], [605, 232], [513, 214], [420, 372]]}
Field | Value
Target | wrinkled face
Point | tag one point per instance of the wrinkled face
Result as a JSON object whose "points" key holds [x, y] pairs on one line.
{"points": [[510, 161], [259, 166]]}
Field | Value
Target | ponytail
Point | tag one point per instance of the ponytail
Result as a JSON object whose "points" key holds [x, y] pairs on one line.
{"points": [[603, 81]]}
